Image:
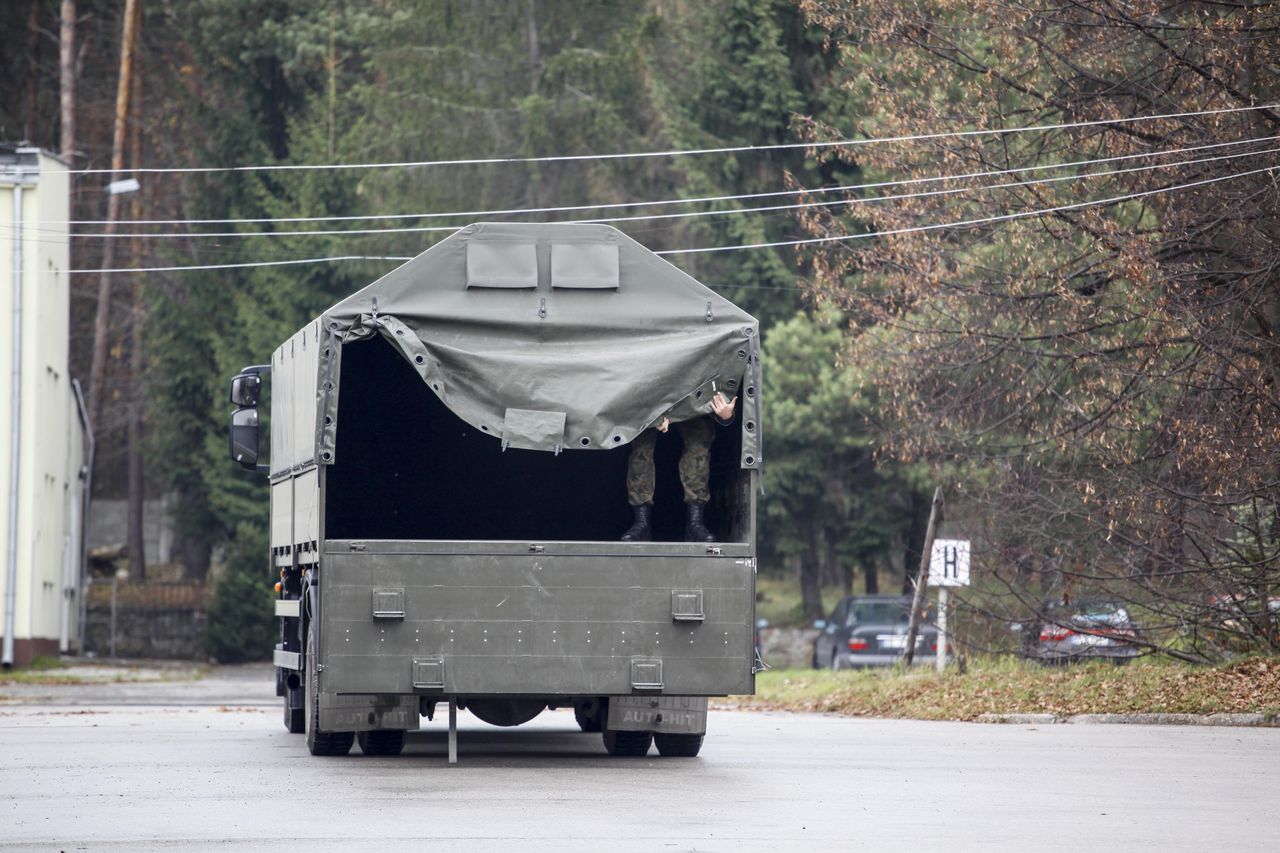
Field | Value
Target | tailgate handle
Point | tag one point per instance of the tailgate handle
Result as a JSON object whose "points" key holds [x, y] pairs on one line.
{"points": [[388, 603], [686, 605]]}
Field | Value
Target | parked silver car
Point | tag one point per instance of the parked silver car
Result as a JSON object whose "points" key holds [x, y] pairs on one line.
{"points": [[1086, 629], [871, 630]]}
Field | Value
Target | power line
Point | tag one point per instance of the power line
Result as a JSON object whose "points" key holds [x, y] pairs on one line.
{"points": [[677, 201], [560, 158], [968, 222], [246, 264], [691, 214], [776, 244]]}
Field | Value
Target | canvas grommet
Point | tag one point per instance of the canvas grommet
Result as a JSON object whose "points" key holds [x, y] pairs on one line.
{"points": [[585, 441]]}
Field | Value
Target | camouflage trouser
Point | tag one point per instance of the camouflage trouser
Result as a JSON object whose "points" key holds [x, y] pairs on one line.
{"points": [[695, 462]]}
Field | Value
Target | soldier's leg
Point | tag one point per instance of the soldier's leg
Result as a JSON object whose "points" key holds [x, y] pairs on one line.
{"points": [[640, 485], [695, 459], [640, 476], [695, 476]]}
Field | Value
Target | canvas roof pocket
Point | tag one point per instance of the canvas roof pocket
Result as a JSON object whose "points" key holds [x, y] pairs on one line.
{"points": [[585, 266], [501, 263]]}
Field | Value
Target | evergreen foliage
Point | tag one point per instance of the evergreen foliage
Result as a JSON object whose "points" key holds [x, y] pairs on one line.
{"points": [[241, 622]]}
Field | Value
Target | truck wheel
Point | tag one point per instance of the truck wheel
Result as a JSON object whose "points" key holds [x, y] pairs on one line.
{"points": [[633, 744], [678, 746], [382, 742], [590, 715], [318, 742]]}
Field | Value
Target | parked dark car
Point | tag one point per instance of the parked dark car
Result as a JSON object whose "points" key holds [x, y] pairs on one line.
{"points": [[871, 630], [1086, 629]]}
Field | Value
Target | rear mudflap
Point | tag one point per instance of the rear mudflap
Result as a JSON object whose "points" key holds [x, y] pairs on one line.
{"points": [[658, 714], [366, 712]]}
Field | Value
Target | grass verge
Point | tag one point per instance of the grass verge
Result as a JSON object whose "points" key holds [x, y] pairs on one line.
{"points": [[1251, 685], [53, 672]]}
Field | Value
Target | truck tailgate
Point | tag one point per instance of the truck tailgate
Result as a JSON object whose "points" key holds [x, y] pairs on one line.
{"points": [[544, 619]]}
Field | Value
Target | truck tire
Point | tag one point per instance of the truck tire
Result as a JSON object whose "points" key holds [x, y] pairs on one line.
{"points": [[634, 744], [382, 742], [318, 742], [678, 746], [590, 715]]}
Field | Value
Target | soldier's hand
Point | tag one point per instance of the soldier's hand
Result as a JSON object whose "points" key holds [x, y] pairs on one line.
{"points": [[722, 406], [666, 423]]}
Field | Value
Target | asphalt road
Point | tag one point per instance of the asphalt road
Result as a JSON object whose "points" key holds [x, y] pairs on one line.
{"points": [[207, 765]]}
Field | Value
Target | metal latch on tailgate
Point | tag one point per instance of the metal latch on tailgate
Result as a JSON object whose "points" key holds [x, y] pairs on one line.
{"points": [[686, 605], [388, 603]]}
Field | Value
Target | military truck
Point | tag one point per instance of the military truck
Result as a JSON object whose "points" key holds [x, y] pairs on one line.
{"points": [[447, 463]]}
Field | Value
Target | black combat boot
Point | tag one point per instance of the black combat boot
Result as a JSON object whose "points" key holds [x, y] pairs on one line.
{"points": [[694, 528], [641, 529]]}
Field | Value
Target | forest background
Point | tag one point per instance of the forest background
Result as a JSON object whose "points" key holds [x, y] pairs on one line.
{"points": [[1094, 386]]}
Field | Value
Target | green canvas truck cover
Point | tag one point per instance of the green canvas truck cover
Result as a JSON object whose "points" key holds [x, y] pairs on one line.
{"points": [[552, 337]]}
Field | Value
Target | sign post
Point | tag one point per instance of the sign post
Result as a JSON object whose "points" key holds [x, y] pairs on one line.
{"points": [[948, 567]]}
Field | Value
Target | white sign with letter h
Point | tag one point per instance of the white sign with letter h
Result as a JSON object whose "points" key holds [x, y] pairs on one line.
{"points": [[949, 563]]}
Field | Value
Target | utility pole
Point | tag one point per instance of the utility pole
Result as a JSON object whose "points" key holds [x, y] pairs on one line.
{"points": [[135, 539], [913, 627], [67, 79], [102, 323]]}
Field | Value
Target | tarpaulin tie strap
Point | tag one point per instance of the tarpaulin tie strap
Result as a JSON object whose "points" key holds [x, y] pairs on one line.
{"points": [[328, 377], [755, 380]]}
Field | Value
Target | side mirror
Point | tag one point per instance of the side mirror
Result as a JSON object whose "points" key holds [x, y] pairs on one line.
{"points": [[819, 624], [246, 388], [244, 438]]}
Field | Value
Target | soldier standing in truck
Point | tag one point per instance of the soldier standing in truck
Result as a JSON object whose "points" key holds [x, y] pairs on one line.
{"points": [[695, 472]]}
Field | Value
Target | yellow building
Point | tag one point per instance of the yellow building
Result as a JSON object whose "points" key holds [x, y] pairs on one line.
{"points": [[43, 458]]}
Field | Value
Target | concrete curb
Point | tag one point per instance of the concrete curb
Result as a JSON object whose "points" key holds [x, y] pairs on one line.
{"points": [[1020, 719], [1245, 720]]}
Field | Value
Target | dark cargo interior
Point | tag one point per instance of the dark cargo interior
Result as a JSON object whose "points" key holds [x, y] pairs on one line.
{"points": [[408, 468]]}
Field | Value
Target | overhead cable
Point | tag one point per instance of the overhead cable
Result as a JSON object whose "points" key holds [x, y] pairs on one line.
{"points": [[472, 214], [986, 220], [733, 149], [768, 245], [690, 214]]}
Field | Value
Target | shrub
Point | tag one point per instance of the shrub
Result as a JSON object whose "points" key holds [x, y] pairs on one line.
{"points": [[241, 619]]}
